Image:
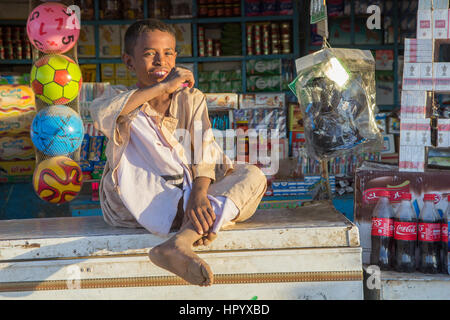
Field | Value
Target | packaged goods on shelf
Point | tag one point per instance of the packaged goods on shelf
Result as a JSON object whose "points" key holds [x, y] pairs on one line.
{"points": [[111, 10], [418, 50], [16, 171], [262, 100], [180, 9], [88, 72], [295, 119], [266, 38], [262, 119], [424, 24], [183, 36], [88, 6], [159, 9], [439, 158], [16, 147], [414, 104], [306, 186], [264, 83], [264, 67], [86, 42], [14, 43], [443, 138], [221, 101], [17, 108], [268, 7], [133, 9], [384, 87], [110, 41], [108, 71], [88, 93]]}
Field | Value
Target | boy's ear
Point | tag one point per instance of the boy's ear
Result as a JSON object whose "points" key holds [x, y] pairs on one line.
{"points": [[128, 61]]}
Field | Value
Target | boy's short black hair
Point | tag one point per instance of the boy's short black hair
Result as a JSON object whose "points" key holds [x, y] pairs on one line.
{"points": [[141, 26]]}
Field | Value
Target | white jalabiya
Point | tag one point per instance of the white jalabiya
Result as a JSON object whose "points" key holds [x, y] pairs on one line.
{"points": [[144, 191]]}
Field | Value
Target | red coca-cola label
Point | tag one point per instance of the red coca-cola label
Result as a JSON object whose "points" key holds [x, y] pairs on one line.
{"points": [[444, 232], [405, 231], [383, 227], [429, 231], [395, 193]]}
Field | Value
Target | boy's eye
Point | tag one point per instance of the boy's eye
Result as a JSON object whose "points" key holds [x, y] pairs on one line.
{"points": [[149, 54]]}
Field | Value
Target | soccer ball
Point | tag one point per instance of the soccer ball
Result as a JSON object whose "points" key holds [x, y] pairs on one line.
{"points": [[57, 130], [57, 180], [56, 79]]}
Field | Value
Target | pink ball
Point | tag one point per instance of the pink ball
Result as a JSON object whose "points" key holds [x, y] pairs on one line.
{"points": [[52, 29]]}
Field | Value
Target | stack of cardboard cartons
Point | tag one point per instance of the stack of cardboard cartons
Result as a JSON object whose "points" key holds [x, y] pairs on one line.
{"points": [[423, 74]]}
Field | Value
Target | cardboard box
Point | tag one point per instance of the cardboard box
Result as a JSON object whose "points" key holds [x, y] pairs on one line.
{"points": [[16, 147], [413, 104], [17, 168], [108, 72], [426, 76], [411, 76], [110, 41], [183, 34], [120, 72], [371, 178], [388, 144], [440, 23], [418, 50], [443, 138], [86, 42], [442, 76], [424, 24]]}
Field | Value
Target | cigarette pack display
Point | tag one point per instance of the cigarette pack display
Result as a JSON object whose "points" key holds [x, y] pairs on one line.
{"points": [[424, 24], [440, 25], [411, 76], [443, 138], [442, 76], [408, 132], [413, 104], [418, 50], [264, 67], [426, 76]]}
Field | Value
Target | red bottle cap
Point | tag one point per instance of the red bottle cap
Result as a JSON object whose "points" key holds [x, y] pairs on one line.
{"points": [[406, 196], [448, 197], [428, 197], [384, 193]]}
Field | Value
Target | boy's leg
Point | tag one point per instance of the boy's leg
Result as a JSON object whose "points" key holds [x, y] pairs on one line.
{"points": [[176, 256], [245, 186]]}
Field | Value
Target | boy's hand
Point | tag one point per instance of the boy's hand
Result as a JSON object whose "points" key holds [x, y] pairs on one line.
{"points": [[176, 78], [200, 212]]}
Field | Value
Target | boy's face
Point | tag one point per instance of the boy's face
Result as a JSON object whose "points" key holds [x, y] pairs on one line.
{"points": [[154, 56]]}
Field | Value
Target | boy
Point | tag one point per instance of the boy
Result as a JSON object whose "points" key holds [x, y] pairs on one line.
{"points": [[150, 179]]}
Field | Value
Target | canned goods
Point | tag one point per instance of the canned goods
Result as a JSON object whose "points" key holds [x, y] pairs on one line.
{"points": [[220, 10], [285, 46], [236, 10], [201, 48], [228, 10], [257, 30], [209, 47], [203, 10], [217, 49], [212, 12]]}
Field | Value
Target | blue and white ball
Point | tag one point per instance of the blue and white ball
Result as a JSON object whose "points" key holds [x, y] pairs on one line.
{"points": [[57, 130]]}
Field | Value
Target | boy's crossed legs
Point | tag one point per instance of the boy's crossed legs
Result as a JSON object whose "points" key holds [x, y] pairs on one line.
{"points": [[246, 185]]}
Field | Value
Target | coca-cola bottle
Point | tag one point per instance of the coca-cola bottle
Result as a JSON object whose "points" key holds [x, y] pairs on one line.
{"points": [[405, 236], [445, 245], [429, 236], [382, 233]]}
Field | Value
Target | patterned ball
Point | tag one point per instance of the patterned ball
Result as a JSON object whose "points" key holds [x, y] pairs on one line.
{"points": [[57, 180], [53, 28], [57, 130], [56, 79]]}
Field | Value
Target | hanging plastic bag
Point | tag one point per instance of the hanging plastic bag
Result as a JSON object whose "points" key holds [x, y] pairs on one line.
{"points": [[336, 92]]}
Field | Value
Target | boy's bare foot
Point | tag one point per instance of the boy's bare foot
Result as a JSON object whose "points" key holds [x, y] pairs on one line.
{"points": [[204, 241], [176, 256]]}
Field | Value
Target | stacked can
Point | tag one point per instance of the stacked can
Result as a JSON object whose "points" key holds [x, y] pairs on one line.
{"points": [[217, 48], [275, 38], [285, 38], [201, 41], [266, 39], [209, 47], [250, 51], [257, 37]]}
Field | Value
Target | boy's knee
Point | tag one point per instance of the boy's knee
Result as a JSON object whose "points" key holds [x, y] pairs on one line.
{"points": [[256, 174]]}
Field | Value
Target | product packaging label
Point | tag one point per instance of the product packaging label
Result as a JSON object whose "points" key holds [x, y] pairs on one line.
{"points": [[429, 232], [405, 231], [383, 227]]}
